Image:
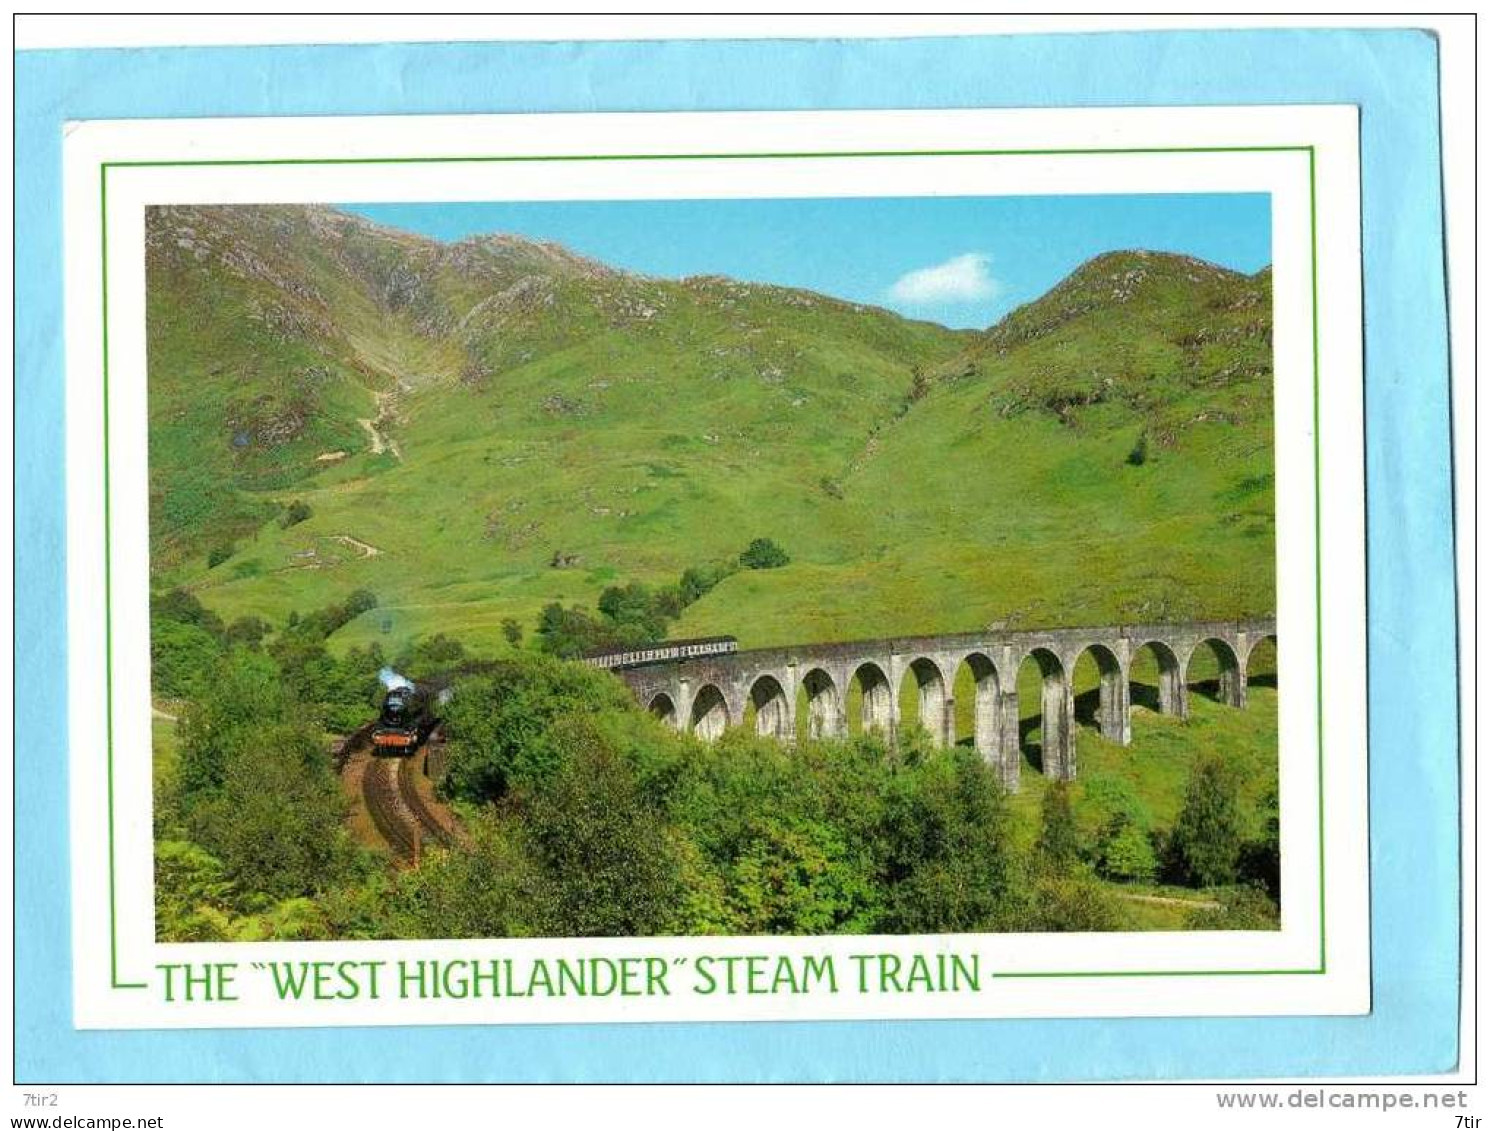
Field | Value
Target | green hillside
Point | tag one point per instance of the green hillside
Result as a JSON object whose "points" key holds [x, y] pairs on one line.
{"points": [[482, 427]]}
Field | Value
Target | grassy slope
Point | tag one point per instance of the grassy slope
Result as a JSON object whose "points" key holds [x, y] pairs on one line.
{"points": [[544, 404]]}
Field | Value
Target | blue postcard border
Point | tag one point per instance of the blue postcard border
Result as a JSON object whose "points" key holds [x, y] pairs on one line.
{"points": [[1391, 75]]}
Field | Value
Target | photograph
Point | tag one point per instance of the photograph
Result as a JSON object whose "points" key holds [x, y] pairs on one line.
{"points": [[763, 566]]}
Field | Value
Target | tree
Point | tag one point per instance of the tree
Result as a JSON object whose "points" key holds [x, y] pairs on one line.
{"points": [[512, 631], [248, 632], [242, 695], [276, 821], [1207, 839], [181, 657], [946, 841], [183, 606], [1058, 850], [633, 612], [501, 725], [763, 553], [570, 633], [608, 866]]}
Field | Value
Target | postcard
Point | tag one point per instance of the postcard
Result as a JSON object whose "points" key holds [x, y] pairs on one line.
{"points": [[716, 566]]}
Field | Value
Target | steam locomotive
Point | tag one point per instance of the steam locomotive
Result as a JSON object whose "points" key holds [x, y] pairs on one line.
{"points": [[407, 718]]}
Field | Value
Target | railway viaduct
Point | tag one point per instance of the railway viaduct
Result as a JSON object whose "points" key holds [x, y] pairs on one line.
{"points": [[704, 695]]}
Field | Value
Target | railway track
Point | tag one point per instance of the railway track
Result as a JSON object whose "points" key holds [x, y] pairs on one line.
{"points": [[399, 813]]}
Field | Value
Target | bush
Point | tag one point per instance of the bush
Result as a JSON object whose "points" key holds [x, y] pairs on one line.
{"points": [[182, 606], [1058, 849], [1242, 909], [606, 864], [500, 725], [181, 657], [276, 821], [512, 631], [219, 554], [242, 694], [484, 891], [764, 554], [1073, 902], [249, 632], [1139, 455], [782, 841], [296, 513], [947, 847]]}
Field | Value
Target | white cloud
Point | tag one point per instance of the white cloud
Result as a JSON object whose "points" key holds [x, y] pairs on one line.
{"points": [[963, 278]]}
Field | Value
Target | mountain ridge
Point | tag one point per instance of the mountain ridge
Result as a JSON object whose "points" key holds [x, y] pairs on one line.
{"points": [[539, 406]]}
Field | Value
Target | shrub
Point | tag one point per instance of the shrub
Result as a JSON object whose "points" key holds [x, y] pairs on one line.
{"points": [[276, 821], [248, 632], [180, 605], [512, 631], [219, 554], [296, 513], [606, 863], [947, 847], [1139, 455], [484, 891], [501, 724], [242, 695], [763, 553], [181, 658], [1058, 849], [1242, 909]]}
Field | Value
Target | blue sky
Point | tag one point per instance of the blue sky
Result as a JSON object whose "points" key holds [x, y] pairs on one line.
{"points": [[960, 261]]}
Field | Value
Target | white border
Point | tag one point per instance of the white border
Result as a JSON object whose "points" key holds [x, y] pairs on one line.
{"points": [[1331, 130]]}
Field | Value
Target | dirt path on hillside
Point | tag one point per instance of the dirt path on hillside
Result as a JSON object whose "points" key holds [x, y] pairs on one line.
{"points": [[378, 441], [357, 544], [1173, 901]]}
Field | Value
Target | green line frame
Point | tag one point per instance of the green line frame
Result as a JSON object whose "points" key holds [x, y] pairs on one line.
{"points": [[1309, 150]]}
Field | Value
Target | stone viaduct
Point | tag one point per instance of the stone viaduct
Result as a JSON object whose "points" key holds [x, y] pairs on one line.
{"points": [[704, 695]]}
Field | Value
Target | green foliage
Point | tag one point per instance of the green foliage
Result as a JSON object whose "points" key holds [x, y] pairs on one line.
{"points": [[1058, 850], [275, 822], [1140, 453], [192, 894], [296, 513], [1127, 853], [487, 891], [783, 838], [1245, 908], [181, 657], [431, 656], [243, 694], [1206, 842], [634, 613], [220, 553], [762, 553], [945, 841], [500, 725], [184, 607], [512, 631], [1116, 828], [570, 633], [1074, 901], [607, 864], [248, 632]]}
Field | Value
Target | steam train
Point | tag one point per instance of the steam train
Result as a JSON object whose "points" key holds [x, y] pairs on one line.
{"points": [[662, 652], [407, 718]]}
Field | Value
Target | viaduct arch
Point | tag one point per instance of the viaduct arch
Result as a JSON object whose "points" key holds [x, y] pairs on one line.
{"points": [[706, 694]]}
